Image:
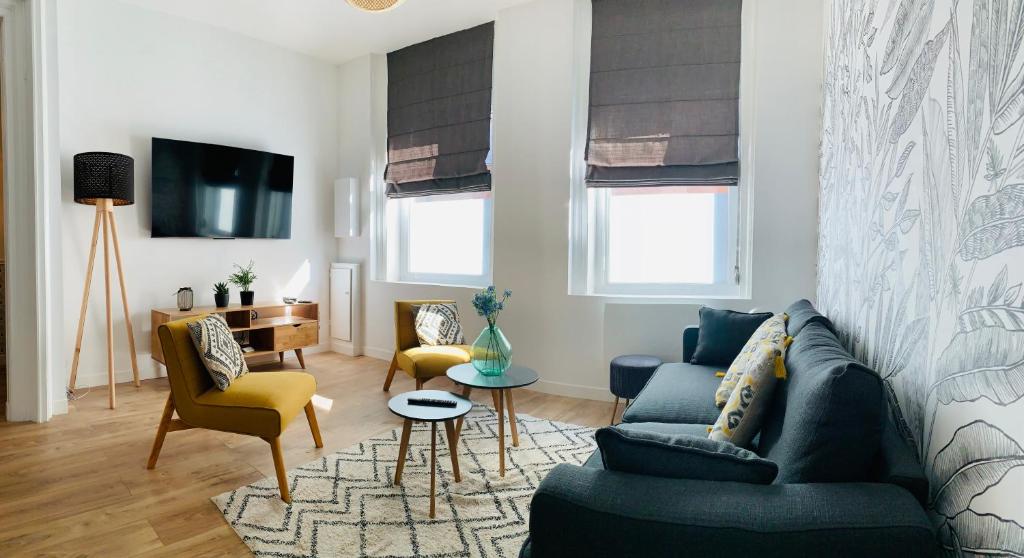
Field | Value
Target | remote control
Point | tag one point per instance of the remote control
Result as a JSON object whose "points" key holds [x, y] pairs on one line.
{"points": [[428, 402]]}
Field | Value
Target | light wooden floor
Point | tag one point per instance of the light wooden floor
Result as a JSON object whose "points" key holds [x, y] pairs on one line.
{"points": [[78, 485]]}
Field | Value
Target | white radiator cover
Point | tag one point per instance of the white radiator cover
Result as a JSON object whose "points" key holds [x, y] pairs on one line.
{"points": [[346, 309]]}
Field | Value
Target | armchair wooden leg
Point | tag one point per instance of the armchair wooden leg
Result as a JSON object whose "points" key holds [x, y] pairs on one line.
{"points": [[282, 478], [313, 426], [419, 383], [391, 373], [161, 432]]}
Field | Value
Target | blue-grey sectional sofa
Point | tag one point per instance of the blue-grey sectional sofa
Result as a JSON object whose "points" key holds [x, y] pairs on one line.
{"points": [[847, 485]]}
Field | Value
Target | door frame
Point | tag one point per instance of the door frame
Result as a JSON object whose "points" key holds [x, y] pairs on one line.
{"points": [[32, 210]]}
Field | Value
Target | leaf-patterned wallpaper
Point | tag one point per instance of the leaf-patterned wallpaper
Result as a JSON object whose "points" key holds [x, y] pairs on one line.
{"points": [[921, 259]]}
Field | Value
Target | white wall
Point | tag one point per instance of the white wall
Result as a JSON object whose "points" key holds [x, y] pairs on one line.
{"points": [[569, 339], [128, 74]]}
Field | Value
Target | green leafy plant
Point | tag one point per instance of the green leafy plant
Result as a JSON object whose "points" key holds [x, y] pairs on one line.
{"points": [[220, 288], [244, 277]]}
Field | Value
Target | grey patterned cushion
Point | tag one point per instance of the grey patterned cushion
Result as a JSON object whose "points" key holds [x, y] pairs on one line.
{"points": [[438, 324], [218, 350]]}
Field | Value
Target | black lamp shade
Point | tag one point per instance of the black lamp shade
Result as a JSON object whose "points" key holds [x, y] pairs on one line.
{"points": [[100, 175]]}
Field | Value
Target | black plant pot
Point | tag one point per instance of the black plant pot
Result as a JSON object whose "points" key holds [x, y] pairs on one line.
{"points": [[221, 299], [247, 297]]}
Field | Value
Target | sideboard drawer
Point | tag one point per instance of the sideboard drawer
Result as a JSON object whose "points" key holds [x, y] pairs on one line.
{"points": [[296, 336]]}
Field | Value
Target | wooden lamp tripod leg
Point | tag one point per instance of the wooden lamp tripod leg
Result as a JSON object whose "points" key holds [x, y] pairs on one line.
{"points": [[111, 397], [124, 297], [85, 300]]}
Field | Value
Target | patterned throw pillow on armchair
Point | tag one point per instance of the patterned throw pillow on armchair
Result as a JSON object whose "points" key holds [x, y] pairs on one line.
{"points": [[438, 324], [218, 350]]}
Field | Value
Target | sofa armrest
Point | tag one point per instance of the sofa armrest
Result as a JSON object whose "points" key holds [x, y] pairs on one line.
{"points": [[690, 334], [580, 511]]}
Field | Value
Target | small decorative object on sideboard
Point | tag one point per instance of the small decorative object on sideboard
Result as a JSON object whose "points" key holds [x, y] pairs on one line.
{"points": [[185, 299], [244, 278], [221, 294], [290, 300], [491, 353]]}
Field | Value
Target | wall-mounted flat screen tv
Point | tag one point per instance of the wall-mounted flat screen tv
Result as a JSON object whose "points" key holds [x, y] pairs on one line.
{"points": [[215, 191]]}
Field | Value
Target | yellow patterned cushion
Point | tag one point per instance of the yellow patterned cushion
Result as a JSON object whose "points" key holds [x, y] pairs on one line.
{"points": [[744, 412], [771, 333], [218, 350]]}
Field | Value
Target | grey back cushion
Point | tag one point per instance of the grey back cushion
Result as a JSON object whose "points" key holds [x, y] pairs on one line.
{"points": [[801, 313], [826, 419], [653, 450], [722, 335]]}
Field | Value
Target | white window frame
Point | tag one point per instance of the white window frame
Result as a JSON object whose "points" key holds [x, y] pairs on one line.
{"points": [[588, 206], [388, 256], [726, 214], [401, 222]]}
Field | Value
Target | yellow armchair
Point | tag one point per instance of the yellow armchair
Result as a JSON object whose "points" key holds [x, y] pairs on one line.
{"points": [[257, 404], [421, 363]]}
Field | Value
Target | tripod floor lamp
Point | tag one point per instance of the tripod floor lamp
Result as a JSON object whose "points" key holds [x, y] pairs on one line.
{"points": [[104, 180]]}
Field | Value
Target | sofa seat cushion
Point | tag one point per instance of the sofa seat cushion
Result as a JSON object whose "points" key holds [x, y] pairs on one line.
{"points": [[677, 393], [259, 403], [648, 449], [825, 421], [430, 361]]}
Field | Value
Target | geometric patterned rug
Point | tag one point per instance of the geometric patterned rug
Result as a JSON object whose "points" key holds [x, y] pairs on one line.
{"points": [[344, 504]]}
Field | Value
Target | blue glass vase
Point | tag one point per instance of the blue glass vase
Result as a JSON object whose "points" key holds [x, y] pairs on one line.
{"points": [[491, 353]]}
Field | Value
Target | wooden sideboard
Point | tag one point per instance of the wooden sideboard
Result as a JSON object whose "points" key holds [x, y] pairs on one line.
{"points": [[271, 328]]}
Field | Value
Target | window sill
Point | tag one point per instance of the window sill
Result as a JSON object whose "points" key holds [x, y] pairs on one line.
{"points": [[474, 287], [664, 299]]}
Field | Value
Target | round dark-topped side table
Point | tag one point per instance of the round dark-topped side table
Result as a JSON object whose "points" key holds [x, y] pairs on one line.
{"points": [[501, 393], [400, 406]]}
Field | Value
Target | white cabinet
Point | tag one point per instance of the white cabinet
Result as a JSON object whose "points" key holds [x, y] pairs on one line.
{"points": [[345, 304]]}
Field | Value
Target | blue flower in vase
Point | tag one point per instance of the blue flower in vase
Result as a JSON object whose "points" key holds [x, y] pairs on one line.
{"points": [[491, 353]]}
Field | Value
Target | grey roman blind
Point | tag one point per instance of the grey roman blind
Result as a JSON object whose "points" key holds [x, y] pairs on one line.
{"points": [[439, 115], [664, 93]]}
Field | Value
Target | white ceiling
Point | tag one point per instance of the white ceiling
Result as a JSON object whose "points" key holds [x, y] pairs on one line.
{"points": [[332, 29]]}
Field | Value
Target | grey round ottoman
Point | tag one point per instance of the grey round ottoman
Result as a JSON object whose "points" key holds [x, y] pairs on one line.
{"points": [[629, 375]]}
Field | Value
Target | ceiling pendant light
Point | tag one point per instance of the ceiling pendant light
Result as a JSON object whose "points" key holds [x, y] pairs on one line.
{"points": [[375, 5]]}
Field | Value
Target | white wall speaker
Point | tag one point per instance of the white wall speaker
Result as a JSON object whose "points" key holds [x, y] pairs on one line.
{"points": [[346, 207]]}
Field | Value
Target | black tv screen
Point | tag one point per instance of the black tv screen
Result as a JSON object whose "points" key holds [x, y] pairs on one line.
{"points": [[215, 191]]}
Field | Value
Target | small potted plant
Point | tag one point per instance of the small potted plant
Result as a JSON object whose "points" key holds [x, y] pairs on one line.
{"points": [[244, 278], [491, 353], [221, 294]]}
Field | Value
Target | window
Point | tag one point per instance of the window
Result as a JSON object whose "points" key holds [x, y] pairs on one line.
{"points": [[657, 206], [436, 200], [664, 240], [444, 239]]}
